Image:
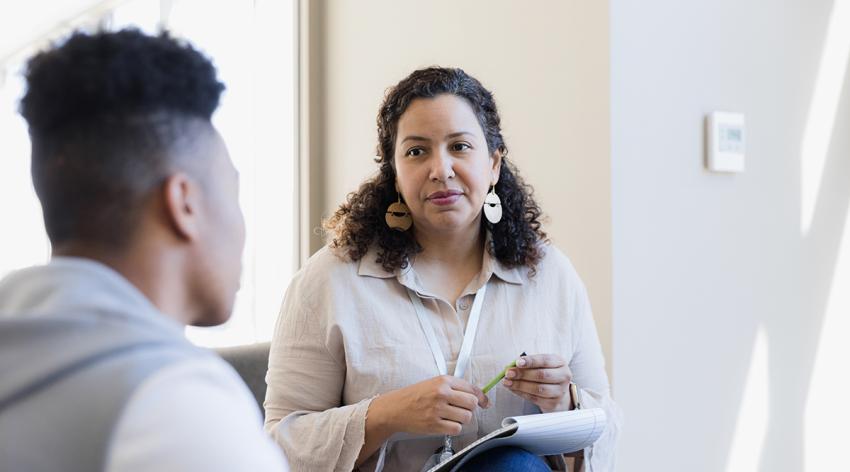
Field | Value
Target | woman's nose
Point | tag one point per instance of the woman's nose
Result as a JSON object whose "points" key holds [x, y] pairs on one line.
{"points": [[442, 166]]}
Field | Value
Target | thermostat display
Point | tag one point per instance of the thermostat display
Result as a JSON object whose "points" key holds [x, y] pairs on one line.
{"points": [[725, 143]]}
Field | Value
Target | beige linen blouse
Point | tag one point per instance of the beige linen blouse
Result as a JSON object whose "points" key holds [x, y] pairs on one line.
{"points": [[348, 331]]}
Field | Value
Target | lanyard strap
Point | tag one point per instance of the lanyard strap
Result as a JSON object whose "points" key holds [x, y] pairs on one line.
{"points": [[468, 335]]}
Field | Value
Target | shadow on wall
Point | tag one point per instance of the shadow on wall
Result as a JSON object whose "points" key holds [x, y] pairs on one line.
{"points": [[771, 409]]}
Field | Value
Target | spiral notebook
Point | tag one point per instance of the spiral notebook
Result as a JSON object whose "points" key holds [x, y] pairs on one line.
{"points": [[543, 434]]}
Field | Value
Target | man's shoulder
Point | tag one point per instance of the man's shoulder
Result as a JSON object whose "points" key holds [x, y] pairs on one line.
{"points": [[206, 370], [205, 417], [193, 384]]}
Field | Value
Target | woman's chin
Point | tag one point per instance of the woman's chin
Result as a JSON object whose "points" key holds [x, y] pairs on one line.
{"points": [[449, 223]]}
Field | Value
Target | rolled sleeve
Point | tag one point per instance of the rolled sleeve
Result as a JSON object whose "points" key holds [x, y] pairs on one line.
{"points": [[304, 412], [325, 440], [588, 367]]}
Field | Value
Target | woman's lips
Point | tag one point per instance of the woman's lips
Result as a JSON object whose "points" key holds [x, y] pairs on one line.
{"points": [[444, 198], [448, 200]]}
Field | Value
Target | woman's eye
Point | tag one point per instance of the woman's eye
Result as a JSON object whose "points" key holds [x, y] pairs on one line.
{"points": [[460, 146], [415, 152]]}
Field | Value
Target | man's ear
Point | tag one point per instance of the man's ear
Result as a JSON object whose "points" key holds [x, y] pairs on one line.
{"points": [[182, 197]]}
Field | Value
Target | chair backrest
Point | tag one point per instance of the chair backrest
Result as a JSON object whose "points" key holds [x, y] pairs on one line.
{"points": [[251, 362]]}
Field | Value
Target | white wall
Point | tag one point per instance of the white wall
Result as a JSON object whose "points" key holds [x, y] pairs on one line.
{"points": [[547, 64], [729, 325]]}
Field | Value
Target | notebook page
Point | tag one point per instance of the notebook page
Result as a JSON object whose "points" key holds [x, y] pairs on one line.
{"points": [[556, 433], [541, 434]]}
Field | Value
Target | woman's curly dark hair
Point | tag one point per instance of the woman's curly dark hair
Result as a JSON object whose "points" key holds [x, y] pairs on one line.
{"points": [[359, 222]]}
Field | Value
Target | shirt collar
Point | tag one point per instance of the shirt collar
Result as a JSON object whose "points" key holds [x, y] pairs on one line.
{"points": [[369, 267]]}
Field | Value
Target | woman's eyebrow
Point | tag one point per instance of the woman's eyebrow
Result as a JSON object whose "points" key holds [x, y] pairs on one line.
{"points": [[414, 138], [458, 133], [448, 136]]}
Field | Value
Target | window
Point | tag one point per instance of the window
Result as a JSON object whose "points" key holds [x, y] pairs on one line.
{"points": [[253, 46]]}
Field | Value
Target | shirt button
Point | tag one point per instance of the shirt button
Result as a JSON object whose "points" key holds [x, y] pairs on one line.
{"points": [[463, 305]]}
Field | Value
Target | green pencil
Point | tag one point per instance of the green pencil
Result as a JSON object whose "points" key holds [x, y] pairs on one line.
{"points": [[499, 377]]}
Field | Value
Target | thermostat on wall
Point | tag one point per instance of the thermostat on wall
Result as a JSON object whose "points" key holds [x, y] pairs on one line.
{"points": [[725, 142]]}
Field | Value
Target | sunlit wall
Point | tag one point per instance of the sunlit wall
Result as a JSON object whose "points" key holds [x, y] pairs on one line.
{"points": [[731, 290]]}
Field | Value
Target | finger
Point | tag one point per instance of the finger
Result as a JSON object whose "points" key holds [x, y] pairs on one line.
{"points": [[485, 402], [544, 403], [464, 400], [538, 389], [452, 428], [464, 386], [537, 400], [540, 360], [541, 375], [461, 385], [533, 398], [456, 414], [527, 396]]}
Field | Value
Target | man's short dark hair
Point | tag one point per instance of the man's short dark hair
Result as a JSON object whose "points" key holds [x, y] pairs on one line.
{"points": [[107, 114]]}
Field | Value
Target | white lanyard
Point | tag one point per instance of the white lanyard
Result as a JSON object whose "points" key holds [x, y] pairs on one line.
{"points": [[468, 335], [431, 336]]}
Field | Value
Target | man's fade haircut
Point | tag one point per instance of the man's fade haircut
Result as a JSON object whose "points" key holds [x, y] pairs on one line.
{"points": [[108, 114]]}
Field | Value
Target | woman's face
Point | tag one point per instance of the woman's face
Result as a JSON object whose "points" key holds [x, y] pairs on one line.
{"points": [[443, 167]]}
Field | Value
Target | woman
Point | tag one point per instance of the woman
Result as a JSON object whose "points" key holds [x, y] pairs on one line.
{"points": [[375, 356]]}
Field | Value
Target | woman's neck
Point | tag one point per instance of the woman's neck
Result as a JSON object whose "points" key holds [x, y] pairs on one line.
{"points": [[448, 261], [452, 248]]}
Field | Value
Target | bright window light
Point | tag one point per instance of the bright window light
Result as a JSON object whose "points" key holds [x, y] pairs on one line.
{"points": [[252, 44], [24, 240], [753, 413], [827, 410], [822, 110]]}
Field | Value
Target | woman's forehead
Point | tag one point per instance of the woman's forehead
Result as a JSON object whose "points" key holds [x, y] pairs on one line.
{"points": [[442, 115]]}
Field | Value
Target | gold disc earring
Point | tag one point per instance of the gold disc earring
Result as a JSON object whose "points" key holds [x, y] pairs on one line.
{"points": [[398, 216]]}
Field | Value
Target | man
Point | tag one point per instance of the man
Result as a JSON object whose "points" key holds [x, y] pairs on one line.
{"points": [[140, 202]]}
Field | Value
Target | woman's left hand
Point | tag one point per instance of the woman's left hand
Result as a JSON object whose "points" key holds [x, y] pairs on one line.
{"points": [[543, 379]]}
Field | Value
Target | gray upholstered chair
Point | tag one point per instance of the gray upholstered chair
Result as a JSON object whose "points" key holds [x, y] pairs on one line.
{"points": [[251, 362]]}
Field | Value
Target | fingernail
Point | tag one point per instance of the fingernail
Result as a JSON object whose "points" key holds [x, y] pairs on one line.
{"points": [[510, 374], [520, 362], [507, 383]]}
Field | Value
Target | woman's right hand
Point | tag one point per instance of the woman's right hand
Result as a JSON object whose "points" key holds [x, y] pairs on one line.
{"points": [[440, 405]]}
